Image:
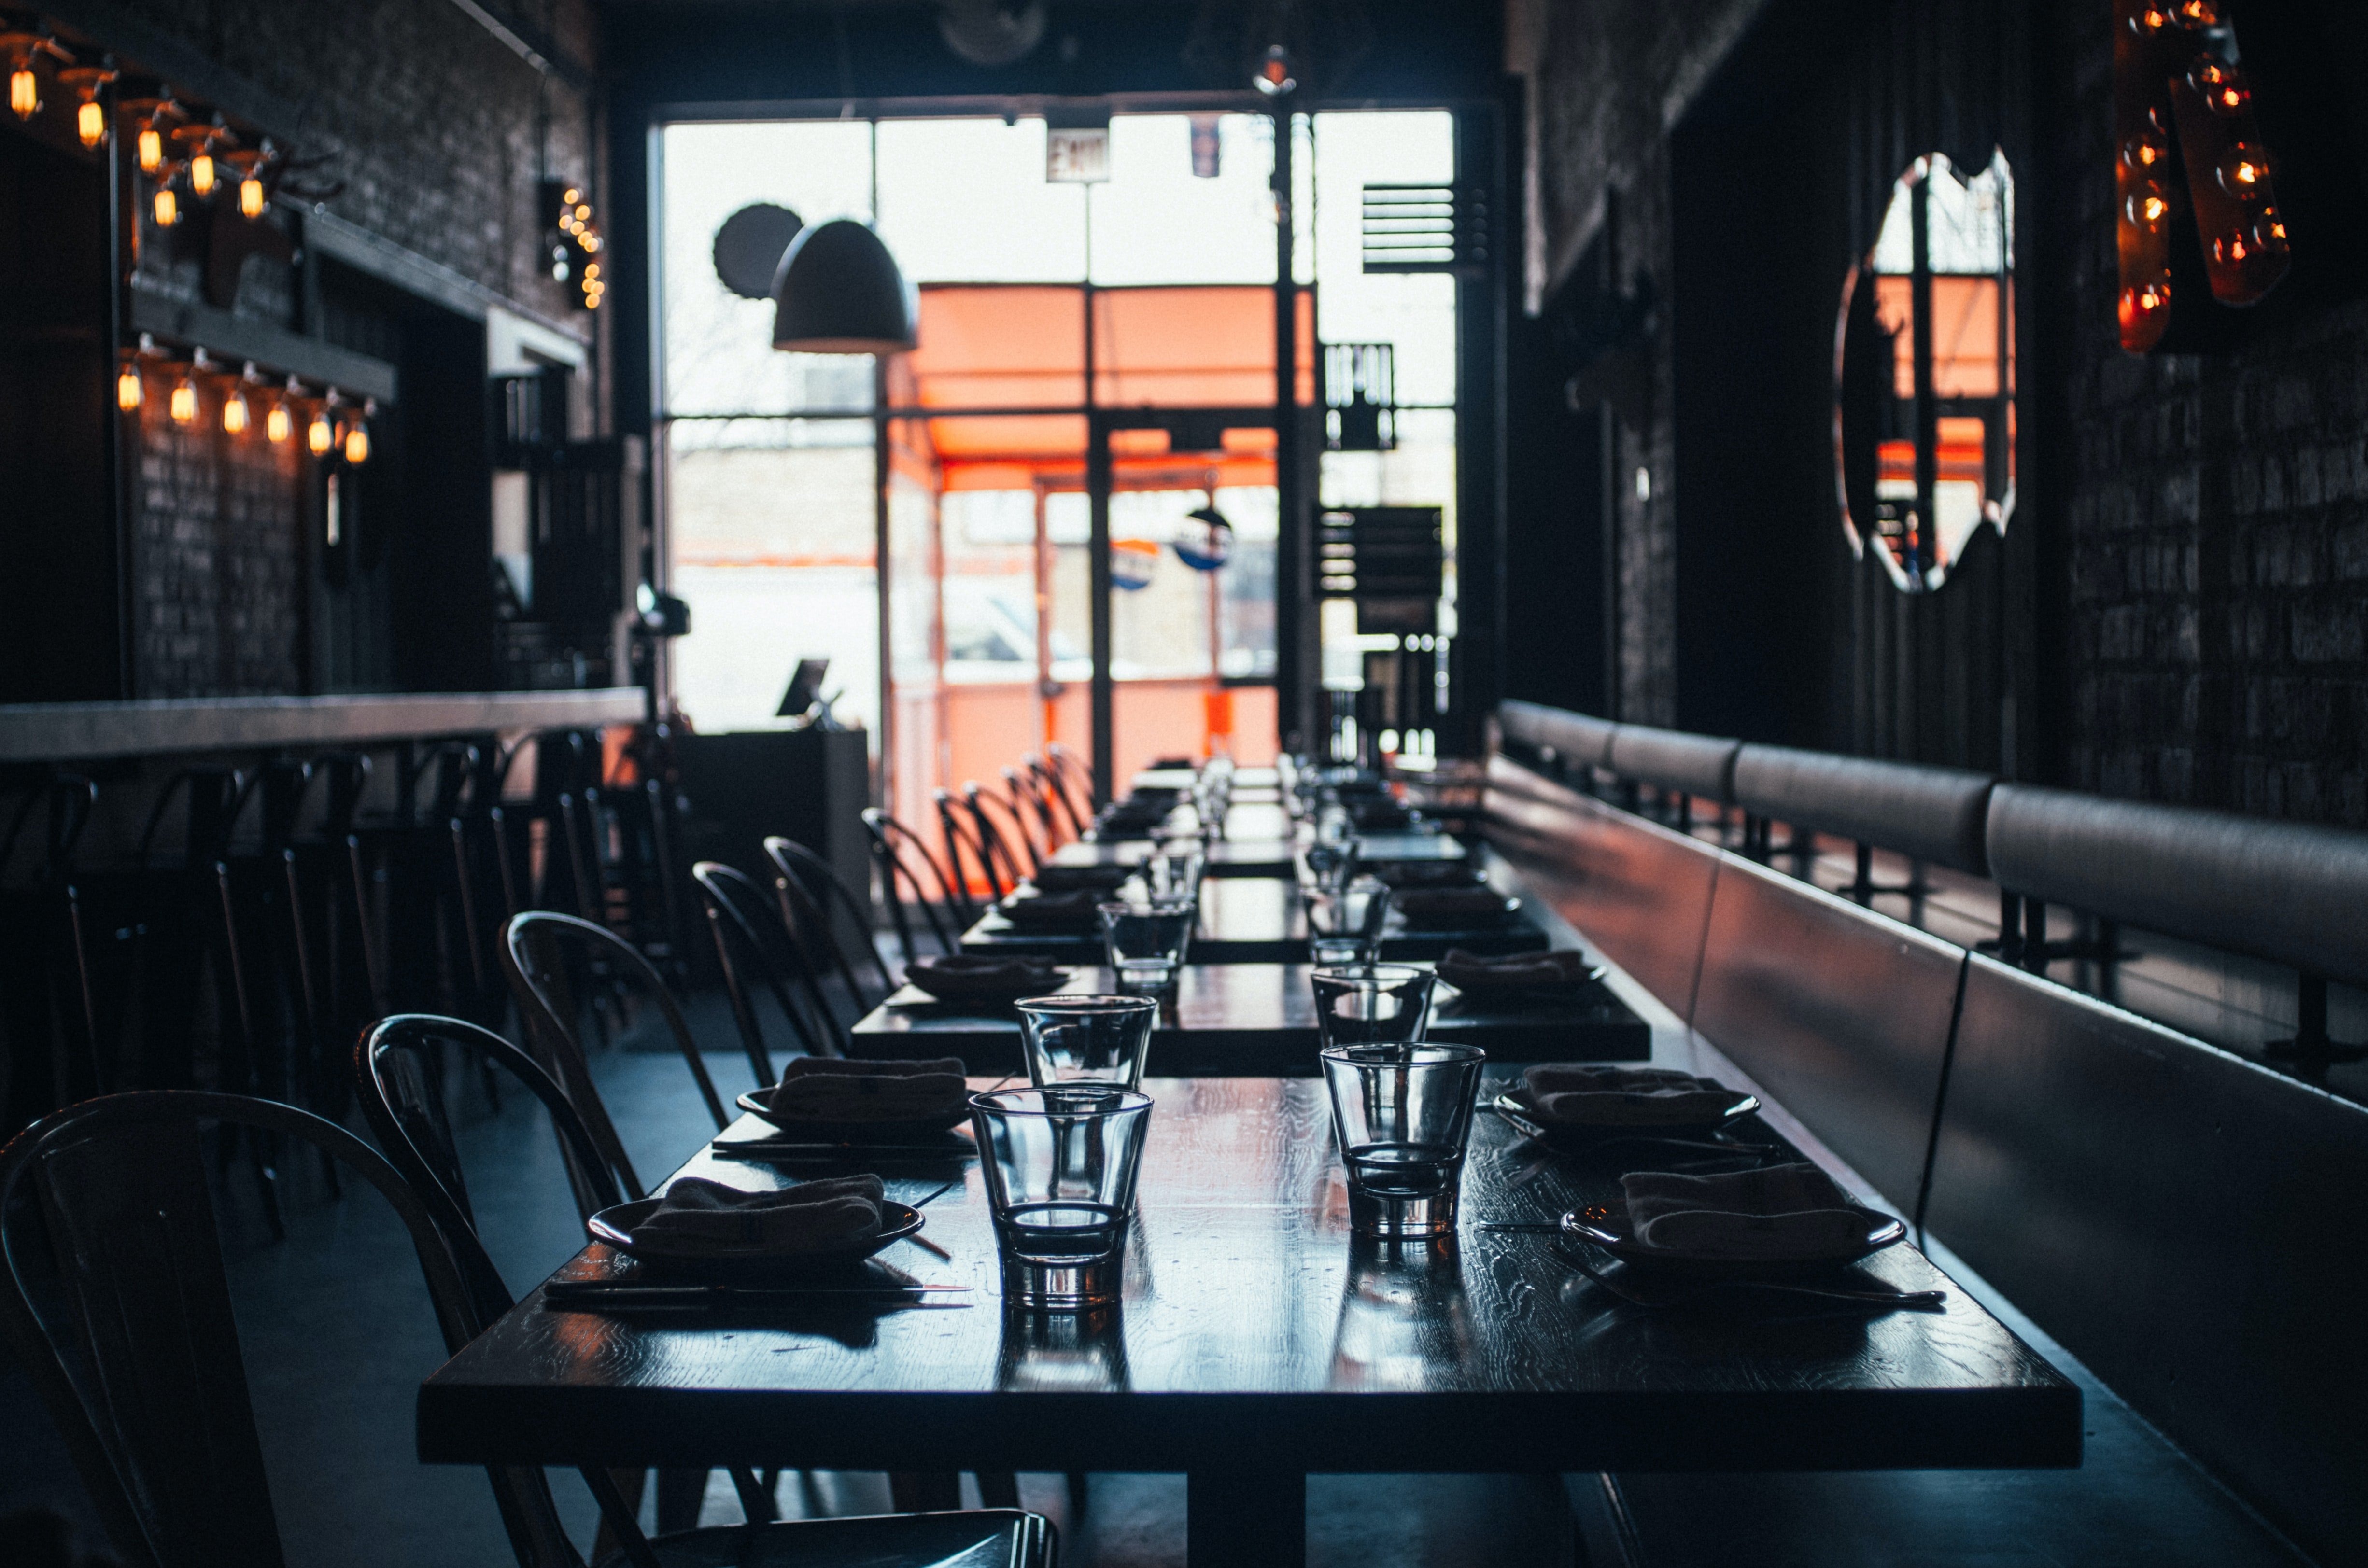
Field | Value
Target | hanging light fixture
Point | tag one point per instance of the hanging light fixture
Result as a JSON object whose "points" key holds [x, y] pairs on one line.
{"points": [[279, 424], [152, 148], [236, 415], [1273, 76], [90, 116], [131, 388], [20, 49], [184, 406], [320, 435], [838, 290], [250, 196], [167, 205], [356, 443], [201, 174]]}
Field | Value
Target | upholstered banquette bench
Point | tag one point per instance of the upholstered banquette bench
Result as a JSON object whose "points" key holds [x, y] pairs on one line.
{"points": [[2184, 1229]]}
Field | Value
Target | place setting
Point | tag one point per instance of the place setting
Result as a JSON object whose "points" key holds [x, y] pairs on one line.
{"points": [[828, 1110]]}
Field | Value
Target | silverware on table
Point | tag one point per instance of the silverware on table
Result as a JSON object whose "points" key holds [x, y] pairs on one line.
{"points": [[597, 1293], [769, 1150], [1656, 1296]]}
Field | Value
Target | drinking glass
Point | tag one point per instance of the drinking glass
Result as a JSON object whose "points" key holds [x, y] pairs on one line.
{"points": [[1159, 928], [1059, 1165], [1086, 1039], [1329, 865], [1337, 952], [1358, 910], [1402, 1117], [1374, 1004]]}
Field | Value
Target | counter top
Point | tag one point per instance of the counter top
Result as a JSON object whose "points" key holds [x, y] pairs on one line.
{"points": [[51, 731]]}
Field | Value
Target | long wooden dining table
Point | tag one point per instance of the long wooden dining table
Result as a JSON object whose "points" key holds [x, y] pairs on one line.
{"points": [[1258, 1342]]}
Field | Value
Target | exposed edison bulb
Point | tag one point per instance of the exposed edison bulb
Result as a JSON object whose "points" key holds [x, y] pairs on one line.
{"points": [[2144, 303], [2269, 232], [250, 196], [276, 426], [2222, 87], [358, 442], [235, 413], [321, 435], [90, 123], [128, 389], [583, 211], [184, 406], [202, 174], [168, 206], [2244, 171], [152, 149], [2145, 152], [2234, 247], [2196, 12], [571, 196], [2148, 20], [24, 91]]}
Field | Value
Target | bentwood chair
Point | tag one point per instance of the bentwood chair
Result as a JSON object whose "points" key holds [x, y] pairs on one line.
{"points": [[909, 873], [752, 948], [112, 1279], [1001, 840], [845, 920], [1075, 777], [48, 1005], [1053, 789]]}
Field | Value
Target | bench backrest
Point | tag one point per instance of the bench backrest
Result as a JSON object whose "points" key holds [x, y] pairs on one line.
{"points": [[1638, 891], [1702, 767], [1841, 1014], [1936, 814], [2190, 1224], [2291, 893], [1568, 742]]}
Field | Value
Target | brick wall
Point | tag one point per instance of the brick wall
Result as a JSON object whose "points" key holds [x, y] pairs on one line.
{"points": [[433, 126], [2216, 530]]}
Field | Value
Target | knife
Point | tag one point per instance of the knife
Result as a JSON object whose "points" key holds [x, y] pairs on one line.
{"points": [[769, 1149], [702, 1297]]}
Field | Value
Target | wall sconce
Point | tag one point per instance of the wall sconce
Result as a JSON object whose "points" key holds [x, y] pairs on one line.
{"points": [[320, 435], [90, 117], [21, 49], [167, 205]]}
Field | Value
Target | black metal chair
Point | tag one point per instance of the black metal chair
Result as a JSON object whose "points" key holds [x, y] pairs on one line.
{"points": [[543, 955], [738, 917], [901, 858], [1054, 789], [49, 1005], [845, 919], [999, 840], [963, 837], [115, 1280], [830, 977], [1074, 776], [1027, 801]]}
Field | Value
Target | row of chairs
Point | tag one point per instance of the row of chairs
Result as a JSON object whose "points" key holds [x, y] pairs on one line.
{"points": [[988, 841]]}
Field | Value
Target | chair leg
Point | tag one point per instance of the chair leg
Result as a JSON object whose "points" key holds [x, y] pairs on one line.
{"points": [[1079, 1494], [679, 1495], [756, 1500], [997, 1489], [924, 1492]]}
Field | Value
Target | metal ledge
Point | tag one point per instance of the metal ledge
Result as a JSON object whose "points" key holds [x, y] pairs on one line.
{"points": [[58, 731]]}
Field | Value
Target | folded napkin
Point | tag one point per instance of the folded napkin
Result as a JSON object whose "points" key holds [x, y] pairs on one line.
{"points": [[1074, 909], [1380, 816], [1440, 906], [822, 1088], [1782, 1213], [1521, 972], [962, 977], [813, 1216], [1411, 874], [1069, 879], [1571, 1095]]}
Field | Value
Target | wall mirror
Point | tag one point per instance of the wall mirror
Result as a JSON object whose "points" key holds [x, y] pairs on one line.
{"points": [[1924, 372]]}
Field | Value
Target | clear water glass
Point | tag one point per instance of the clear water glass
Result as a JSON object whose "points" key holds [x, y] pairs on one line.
{"points": [[1159, 928], [1146, 977], [1330, 865], [1060, 1167], [1086, 1039], [1372, 1003], [1338, 952], [1359, 909], [1402, 1119]]}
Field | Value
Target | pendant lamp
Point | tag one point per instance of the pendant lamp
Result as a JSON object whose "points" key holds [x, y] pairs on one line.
{"points": [[838, 291]]}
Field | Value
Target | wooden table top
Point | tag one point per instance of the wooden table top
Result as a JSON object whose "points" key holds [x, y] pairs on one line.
{"points": [[1256, 920], [1258, 1337], [1258, 1021]]}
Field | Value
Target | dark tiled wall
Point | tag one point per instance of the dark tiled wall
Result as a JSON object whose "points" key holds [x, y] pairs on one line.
{"points": [[2216, 525]]}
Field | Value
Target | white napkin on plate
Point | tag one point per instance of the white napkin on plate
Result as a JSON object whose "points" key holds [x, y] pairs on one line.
{"points": [[1573, 1094], [1782, 1213]]}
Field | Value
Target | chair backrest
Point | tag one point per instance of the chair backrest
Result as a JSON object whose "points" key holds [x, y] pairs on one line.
{"points": [[1074, 776], [902, 859], [2290, 892], [737, 917], [117, 1304], [1640, 893], [543, 956], [847, 928], [999, 840], [67, 801], [1054, 789], [1027, 801], [961, 838], [1841, 1014], [2185, 1222], [1935, 814]]}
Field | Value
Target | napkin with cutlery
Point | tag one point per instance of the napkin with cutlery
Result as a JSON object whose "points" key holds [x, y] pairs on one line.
{"points": [[1450, 906], [825, 1088], [1578, 1094], [966, 977], [1516, 974], [1050, 910], [1781, 1213], [1071, 879], [698, 1214]]}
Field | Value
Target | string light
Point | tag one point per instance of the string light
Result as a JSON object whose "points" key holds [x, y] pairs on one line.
{"points": [[152, 148], [250, 196], [235, 413], [358, 442], [184, 406], [23, 87], [90, 116], [279, 424], [201, 174], [168, 206], [127, 389], [320, 435]]}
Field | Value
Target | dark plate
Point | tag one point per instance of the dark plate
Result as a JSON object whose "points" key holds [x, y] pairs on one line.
{"points": [[1570, 1135], [859, 1132], [1457, 919], [1607, 1226], [728, 1266]]}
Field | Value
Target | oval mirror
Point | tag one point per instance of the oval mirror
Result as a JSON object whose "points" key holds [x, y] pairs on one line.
{"points": [[1924, 373]]}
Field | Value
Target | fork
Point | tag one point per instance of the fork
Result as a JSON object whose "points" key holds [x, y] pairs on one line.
{"points": [[1913, 1300]]}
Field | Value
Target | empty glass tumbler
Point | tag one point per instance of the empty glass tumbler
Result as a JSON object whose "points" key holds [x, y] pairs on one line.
{"points": [[1402, 1117], [1060, 1167], [1372, 1003], [1160, 927], [1358, 910], [1086, 1039]]}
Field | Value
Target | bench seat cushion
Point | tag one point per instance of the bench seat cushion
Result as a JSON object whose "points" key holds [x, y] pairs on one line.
{"points": [[1937, 815], [1575, 741], [1699, 765]]}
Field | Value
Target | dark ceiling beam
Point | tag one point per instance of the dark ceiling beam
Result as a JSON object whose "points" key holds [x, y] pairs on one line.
{"points": [[529, 42]]}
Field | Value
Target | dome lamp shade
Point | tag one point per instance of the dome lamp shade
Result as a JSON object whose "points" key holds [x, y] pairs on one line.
{"points": [[838, 291]]}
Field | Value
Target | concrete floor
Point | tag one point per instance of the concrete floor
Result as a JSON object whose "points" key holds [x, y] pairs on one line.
{"points": [[337, 1335]]}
